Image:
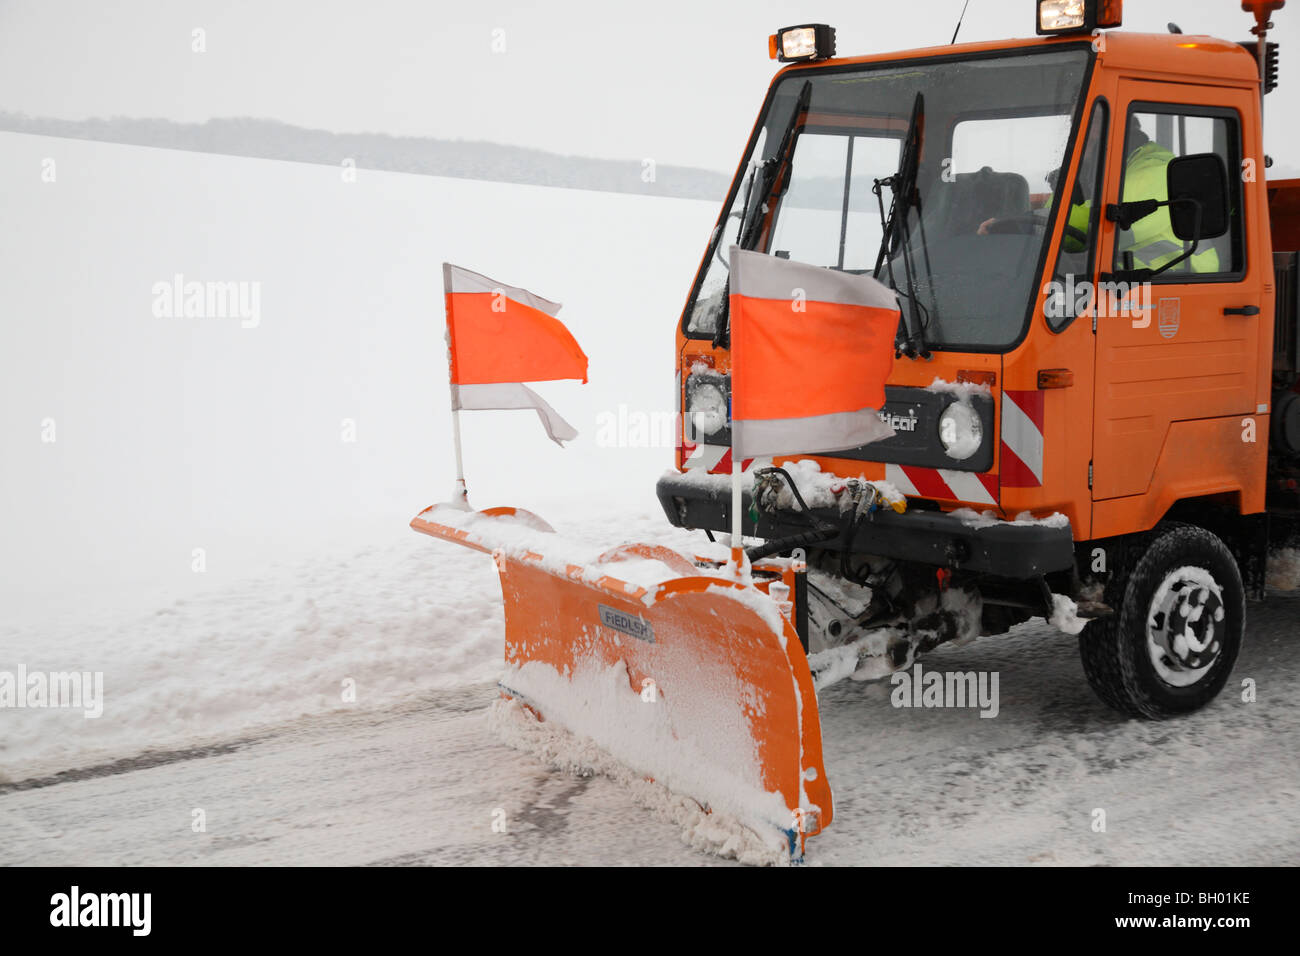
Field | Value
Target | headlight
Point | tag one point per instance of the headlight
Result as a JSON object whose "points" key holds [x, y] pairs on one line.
{"points": [[706, 404], [960, 431], [1058, 15], [1078, 16], [810, 41]]}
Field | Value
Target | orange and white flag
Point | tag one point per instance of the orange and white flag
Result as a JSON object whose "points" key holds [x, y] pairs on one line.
{"points": [[811, 349], [500, 336]]}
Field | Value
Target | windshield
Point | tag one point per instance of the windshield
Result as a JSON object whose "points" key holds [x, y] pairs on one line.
{"points": [[995, 131]]}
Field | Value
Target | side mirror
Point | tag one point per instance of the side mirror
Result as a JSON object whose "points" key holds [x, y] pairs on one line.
{"points": [[1198, 196], [1197, 186]]}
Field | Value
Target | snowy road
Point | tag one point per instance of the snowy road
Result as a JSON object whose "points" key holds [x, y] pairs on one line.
{"points": [[424, 781], [415, 785]]}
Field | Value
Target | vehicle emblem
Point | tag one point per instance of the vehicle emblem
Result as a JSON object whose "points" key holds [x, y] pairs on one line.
{"points": [[1168, 317]]}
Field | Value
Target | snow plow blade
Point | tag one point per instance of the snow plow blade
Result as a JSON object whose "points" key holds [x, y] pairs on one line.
{"points": [[688, 678]]}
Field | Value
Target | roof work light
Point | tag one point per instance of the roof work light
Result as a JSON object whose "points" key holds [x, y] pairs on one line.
{"points": [[1078, 16], [811, 41]]}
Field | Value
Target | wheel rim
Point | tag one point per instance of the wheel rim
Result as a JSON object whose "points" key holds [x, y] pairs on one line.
{"points": [[1185, 626]]}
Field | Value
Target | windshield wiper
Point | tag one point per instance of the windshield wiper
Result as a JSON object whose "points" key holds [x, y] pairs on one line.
{"points": [[763, 186], [895, 231]]}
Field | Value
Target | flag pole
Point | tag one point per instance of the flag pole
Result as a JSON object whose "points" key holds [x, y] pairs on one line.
{"points": [[737, 501], [460, 495]]}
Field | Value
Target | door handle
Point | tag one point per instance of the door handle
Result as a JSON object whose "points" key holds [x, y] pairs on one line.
{"points": [[1241, 310]]}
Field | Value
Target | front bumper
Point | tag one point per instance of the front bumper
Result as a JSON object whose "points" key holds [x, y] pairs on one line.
{"points": [[1005, 549]]}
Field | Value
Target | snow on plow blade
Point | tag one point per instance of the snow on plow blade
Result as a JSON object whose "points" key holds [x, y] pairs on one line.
{"points": [[687, 677]]}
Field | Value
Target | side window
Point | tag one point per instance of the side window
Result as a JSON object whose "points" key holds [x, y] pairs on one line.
{"points": [[1155, 134], [1074, 261]]}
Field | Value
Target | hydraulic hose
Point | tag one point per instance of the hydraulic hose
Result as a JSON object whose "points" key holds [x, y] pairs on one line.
{"points": [[819, 533], [777, 545]]}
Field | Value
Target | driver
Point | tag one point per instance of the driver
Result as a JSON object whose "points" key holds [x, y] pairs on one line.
{"points": [[1151, 240]]}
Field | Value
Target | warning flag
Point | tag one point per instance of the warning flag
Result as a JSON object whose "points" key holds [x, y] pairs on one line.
{"points": [[811, 349], [500, 336]]}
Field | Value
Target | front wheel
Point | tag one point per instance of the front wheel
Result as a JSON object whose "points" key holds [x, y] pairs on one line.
{"points": [[1182, 613]]}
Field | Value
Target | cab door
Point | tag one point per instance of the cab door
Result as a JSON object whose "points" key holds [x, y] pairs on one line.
{"points": [[1183, 349]]}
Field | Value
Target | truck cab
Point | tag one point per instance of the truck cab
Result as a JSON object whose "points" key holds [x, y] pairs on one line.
{"points": [[1097, 336]]}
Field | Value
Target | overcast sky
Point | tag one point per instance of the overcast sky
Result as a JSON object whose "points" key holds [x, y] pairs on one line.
{"points": [[675, 81]]}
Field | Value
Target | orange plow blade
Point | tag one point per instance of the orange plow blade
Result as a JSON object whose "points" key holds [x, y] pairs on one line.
{"points": [[684, 675]]}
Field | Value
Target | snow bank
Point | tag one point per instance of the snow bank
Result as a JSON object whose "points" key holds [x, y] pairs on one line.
{"points": [[383, 624], [409, 617]]}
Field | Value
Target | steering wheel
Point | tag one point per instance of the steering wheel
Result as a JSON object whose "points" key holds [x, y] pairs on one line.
{"points": [[1078, 235], [1017, 224]]}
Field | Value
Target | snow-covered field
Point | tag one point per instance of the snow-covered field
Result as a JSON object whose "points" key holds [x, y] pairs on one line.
{"points": [[224, 689], [177, 434]]}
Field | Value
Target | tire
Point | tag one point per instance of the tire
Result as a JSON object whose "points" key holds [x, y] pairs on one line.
{"points": [[1180, 621]]}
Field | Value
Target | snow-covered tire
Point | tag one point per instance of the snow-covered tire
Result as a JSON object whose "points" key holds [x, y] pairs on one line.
{"points": [[1178, 630]]}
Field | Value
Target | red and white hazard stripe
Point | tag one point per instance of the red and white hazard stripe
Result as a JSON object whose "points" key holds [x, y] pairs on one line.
{"points": [[1021, 458], [716, 459], [1022, 438], [979, 488]]}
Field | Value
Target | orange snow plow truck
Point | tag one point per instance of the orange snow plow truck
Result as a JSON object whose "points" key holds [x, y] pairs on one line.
{"points": [[1094, 399]]}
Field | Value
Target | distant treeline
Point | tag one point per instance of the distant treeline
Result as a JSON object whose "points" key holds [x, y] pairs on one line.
{"points": [[270, 139]]}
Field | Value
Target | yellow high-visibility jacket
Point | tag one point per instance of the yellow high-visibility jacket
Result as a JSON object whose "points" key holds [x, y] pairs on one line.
{"points": [[1152, 240]]}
